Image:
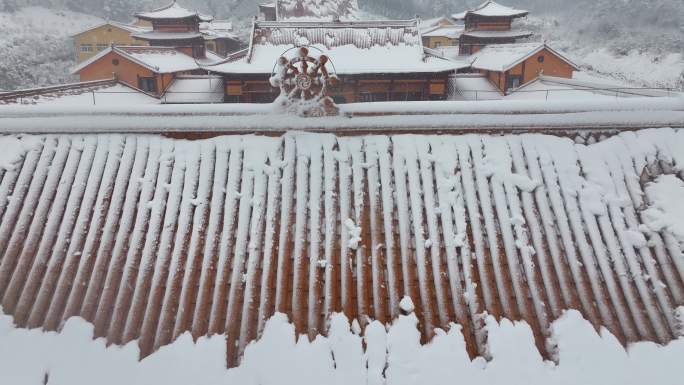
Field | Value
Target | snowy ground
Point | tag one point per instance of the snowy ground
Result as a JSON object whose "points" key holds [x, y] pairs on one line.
{"points": [[644, 63], [641, 69], [584, 357]]}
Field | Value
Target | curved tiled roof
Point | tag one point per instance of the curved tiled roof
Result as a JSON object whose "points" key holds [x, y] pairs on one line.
{"points": [[172, 11], [491, 9], [149, 237], [358, 47]]}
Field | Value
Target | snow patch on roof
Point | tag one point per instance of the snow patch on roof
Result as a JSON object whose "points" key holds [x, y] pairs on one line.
{"points": [[666, 211], [474, 87], [13, 150], [392, 355], [502, 57], [172, 11], [492, 9], [163, 60], [194, 89], [451, 32], [353, 47], [346, 60]]}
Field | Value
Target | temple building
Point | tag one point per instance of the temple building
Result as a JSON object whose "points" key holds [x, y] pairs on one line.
{"points": [[169, 26], [98, 38], [375, 61], [148, 69], [175, 26], [175, 46], [490, 23], [510, 66]]}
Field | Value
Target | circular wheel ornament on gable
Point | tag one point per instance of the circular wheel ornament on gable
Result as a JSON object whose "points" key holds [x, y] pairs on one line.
{"points": [[304, 82]]}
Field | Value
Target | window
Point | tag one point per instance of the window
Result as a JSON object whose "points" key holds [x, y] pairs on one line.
{"points": [[102, 47], [147, 84], [115, 62], [540, 58], [513, 81], [86, 48]]}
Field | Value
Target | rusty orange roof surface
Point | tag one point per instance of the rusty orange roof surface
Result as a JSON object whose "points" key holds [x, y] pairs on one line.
{"points": [[148, 237]]}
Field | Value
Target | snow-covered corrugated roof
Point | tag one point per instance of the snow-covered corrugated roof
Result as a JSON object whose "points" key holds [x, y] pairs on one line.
{"points": [[502, 57], [194, 89], [148, 237], [353, 47], [170, 12], [491, 9]]}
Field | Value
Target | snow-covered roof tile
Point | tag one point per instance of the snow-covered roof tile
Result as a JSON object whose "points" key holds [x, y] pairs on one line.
{"points": [[156, 59], [161, 59], [154, 35], [502, 57], [517, 34], [170, 12], [353, 47], [128, 27], [451, 32], [149, 238], [492, 9]]}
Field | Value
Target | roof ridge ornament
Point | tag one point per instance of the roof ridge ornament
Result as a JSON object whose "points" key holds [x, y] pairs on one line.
{"points": [[304, 82]]}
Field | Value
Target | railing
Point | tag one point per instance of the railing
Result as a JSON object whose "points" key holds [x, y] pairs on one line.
{"points": [[21, 94], [617, 92], [475, 95]]}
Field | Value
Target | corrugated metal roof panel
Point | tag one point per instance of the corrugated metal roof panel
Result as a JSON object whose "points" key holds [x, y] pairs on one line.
{"points": [[149, 237]]}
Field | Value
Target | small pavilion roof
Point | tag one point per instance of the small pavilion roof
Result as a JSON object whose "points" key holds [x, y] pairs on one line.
{"points": [[492, 9], [172, 11]]}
